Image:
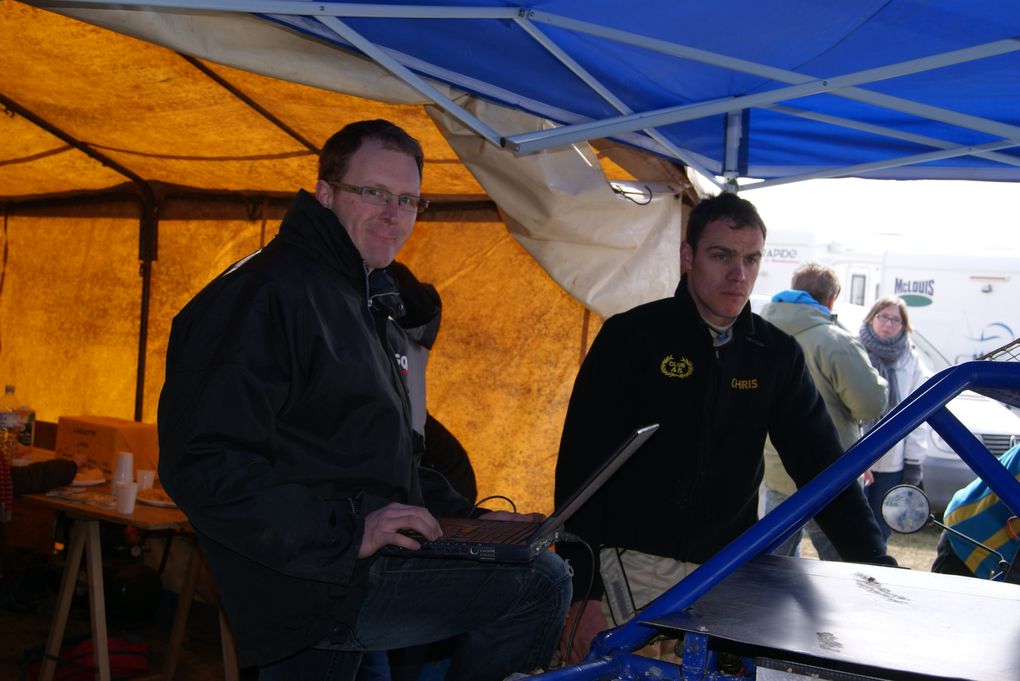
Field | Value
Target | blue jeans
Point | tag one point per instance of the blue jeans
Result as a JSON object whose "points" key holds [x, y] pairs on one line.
{"points": [[505, 618], [876, 493], [791, 547]]}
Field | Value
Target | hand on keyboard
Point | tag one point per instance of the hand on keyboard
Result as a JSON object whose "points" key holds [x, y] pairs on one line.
{"points": [[408, 532], [389, 525]]}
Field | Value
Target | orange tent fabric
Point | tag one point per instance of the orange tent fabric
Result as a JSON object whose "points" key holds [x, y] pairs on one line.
{"points": [[102, 130]]}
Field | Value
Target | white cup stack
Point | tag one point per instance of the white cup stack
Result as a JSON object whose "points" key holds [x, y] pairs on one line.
{"points": [[125, 470], [126, 493]]}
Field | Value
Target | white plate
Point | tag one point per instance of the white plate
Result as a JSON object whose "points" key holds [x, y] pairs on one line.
{"points": [[157, 502], [87, 483]]}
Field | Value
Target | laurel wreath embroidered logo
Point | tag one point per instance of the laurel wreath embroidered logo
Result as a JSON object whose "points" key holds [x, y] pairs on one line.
{"points": [[676, 368]]}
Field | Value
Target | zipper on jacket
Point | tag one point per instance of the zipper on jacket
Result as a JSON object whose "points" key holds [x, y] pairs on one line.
{"points": [[380, 325], [704, 446]]}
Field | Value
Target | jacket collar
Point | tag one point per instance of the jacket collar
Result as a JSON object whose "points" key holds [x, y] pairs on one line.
{"points": [[744, 326], [316, 230]]}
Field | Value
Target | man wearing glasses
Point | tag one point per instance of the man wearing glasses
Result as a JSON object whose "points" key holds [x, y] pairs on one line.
{"points": [[285, 436]]}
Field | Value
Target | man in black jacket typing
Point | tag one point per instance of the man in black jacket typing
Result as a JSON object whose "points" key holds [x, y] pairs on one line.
{"points": [[286, 437]]}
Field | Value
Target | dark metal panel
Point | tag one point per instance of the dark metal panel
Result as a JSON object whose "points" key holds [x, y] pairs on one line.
{"points": [[887, 618]]}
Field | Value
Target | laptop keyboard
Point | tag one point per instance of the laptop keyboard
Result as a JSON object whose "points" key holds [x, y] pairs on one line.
{"points": [[496, 532]]}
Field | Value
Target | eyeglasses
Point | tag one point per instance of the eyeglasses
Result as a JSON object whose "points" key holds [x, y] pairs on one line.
{"points": [[889, 320], [380, 197]]}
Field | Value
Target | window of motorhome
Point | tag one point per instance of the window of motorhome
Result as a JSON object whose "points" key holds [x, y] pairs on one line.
{"points": [[857, 283]]}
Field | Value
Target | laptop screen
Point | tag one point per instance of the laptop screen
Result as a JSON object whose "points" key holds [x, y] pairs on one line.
{"points": [[597, 479]]}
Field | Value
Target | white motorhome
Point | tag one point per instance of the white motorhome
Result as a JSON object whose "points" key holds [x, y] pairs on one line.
{"points": [[967, 304]]}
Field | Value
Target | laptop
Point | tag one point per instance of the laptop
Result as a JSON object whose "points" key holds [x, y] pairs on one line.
{"points": [[505, 541]]}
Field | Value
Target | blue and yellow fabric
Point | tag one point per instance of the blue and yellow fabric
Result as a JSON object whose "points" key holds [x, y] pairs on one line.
{"points": [[977, 512]]}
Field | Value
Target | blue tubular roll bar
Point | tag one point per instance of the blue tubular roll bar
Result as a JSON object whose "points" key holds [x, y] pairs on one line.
{"points": [[610, 650]]}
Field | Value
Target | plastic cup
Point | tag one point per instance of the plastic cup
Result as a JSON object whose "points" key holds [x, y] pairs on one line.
{"points": [[125, 470], [146, 478], [126, 493]]}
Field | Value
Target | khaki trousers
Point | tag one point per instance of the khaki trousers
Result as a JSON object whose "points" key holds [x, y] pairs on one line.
{"points": [[634, 579]]}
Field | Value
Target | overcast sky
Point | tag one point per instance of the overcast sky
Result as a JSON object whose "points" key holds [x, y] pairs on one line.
{"points": [[948, 216]]}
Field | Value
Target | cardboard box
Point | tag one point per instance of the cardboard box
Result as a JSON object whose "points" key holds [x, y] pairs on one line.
{"points": [[95, 440]]}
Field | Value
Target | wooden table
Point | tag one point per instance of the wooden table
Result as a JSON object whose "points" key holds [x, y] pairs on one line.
{"points": [[85, 538]]}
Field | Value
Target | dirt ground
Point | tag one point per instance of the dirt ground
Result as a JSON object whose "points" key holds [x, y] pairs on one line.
{"points": [[27, 596], [914, 551]]}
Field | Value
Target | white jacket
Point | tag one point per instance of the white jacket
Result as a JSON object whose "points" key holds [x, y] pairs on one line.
{"points": [[910, 374]]}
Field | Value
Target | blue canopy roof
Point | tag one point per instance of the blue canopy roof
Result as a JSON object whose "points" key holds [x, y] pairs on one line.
{"points": [[775, 89]]}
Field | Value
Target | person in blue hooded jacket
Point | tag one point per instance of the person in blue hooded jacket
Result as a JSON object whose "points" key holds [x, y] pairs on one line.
{"points": [[852, 389], [979, 513]]}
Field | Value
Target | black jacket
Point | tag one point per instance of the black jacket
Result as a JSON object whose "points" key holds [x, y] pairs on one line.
{"points": [[282, 423], [693, 487]]}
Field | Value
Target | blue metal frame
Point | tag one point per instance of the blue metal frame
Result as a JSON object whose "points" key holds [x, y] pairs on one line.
{"points": [[611, 651], [635, 73]]}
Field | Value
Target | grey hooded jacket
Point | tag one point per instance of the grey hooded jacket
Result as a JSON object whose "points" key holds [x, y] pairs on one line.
{"points": [[850, 387]]}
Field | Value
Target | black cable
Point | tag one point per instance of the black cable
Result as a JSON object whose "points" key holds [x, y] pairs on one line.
{"points": [[573, 538], [629, 194], [494, 496]]}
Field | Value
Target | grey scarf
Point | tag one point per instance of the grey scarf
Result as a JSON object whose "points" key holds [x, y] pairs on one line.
{"points": [[884, 355]]}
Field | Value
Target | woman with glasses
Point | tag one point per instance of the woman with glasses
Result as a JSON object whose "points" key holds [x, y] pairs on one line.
{"points": [[885, 334]]}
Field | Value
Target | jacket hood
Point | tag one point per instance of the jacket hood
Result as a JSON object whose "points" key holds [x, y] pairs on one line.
{"points": [[422, 304], [795, 318], [801, 298]]}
